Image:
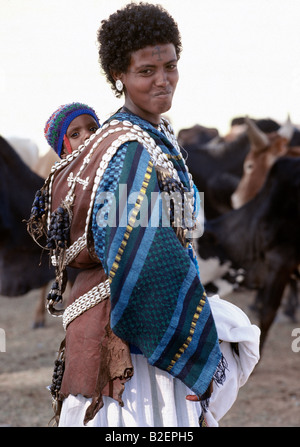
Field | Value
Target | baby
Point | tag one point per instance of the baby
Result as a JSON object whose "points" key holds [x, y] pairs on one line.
{"points": [[69, 126]]}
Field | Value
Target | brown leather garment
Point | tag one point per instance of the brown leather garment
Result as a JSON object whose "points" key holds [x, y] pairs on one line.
{"points": [[97, 362]]}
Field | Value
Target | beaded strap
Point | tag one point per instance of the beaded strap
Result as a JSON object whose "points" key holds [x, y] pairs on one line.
{"points": [[133, 132], [72, 251], [86, 302]]}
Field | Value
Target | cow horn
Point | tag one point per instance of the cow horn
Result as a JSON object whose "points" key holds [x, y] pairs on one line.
{"points": [[287, 129], [258, 138]]}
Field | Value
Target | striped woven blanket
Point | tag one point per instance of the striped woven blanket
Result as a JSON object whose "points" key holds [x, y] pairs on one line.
{"points": [[158, 302]]}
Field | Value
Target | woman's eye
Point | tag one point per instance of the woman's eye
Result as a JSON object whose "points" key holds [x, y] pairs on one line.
{"points": [[146, 72]]}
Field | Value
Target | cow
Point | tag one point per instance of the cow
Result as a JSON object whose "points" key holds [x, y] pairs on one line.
{"points": [[43, 165], [22, 266], [265, 149], [217, 165], [216, 168], [262, 237], [197, 135], [26, 148]]}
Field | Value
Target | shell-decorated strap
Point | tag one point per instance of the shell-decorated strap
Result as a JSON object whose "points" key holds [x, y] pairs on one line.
{"points": [[132, 133]]}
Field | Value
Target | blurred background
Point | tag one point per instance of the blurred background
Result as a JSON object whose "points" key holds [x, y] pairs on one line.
{"points": [[239, 57]]}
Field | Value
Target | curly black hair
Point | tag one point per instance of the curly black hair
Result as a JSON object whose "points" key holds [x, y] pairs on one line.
{"points": [[130, 29]]}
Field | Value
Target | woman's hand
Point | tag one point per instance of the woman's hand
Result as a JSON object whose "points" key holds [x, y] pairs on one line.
{"points": [[206, 395]]}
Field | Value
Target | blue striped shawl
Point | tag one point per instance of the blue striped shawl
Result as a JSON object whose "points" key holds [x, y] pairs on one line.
{"points": [[158, 303]]}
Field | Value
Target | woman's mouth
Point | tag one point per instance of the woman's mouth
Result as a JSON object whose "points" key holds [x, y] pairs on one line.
{"points": [[162, 93]]}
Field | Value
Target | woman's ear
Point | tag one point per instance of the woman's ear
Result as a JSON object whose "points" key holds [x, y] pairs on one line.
{"points": [[118, 80], [116, 75]]}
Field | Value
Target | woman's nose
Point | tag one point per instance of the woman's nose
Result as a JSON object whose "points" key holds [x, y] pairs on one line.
{"points": [[162, 78]]}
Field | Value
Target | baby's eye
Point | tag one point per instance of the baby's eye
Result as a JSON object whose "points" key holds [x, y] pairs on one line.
{"points": [[93, 129], [74, 135]]}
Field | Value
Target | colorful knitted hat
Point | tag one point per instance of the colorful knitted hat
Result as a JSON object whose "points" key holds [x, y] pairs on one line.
{"points": [[58, 123]]}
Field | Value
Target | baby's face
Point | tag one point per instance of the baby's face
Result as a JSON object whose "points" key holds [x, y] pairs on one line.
{"points": [[81, 128]]}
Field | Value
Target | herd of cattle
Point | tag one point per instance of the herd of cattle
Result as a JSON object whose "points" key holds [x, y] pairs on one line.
{"points": [[250, 181]]}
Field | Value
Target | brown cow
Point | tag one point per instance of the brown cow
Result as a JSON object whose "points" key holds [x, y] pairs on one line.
{"points": [[264, 151]]}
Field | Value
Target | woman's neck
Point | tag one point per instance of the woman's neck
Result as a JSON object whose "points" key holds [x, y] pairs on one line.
{"points": [[154, 122]]}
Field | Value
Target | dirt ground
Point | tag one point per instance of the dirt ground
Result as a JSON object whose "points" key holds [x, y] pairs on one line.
{"points": [[270, 398]]}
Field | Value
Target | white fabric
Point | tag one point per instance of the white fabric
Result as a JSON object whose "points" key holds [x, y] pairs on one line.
{"points": [[233, 326], [153, 398]]}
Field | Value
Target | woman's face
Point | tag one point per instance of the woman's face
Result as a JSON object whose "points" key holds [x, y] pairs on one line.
{"points": [[150, 81]]}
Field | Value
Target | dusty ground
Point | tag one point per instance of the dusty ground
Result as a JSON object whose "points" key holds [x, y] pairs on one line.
{"points": [[271, 397]]}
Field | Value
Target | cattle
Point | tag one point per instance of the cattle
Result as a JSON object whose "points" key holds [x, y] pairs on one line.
{"points": [[26, 148], [262, 237], [217, 165], [265, 149], [43, 165], [196, 135], [30, 154], [216, 168], [237, 126], [22, 266]]}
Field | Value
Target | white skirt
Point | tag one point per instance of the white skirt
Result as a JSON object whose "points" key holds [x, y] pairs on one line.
{"points": [[153, 398]]}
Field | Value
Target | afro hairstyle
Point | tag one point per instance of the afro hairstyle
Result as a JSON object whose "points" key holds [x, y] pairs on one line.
{"points": [[130, 29]]}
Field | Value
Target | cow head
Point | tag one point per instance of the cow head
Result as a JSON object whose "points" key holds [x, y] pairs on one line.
{"points": [[196, 135], [265, 149]]}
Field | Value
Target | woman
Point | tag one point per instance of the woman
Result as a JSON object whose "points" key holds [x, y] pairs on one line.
{"points": [[141, 345]]}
